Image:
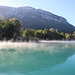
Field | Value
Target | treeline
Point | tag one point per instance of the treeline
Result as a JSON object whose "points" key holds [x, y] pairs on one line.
{"points": [[13, 29], [51, 34]]}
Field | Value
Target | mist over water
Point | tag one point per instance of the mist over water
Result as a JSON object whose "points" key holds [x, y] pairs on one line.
{"points": [[43, 58], [42, 43]]}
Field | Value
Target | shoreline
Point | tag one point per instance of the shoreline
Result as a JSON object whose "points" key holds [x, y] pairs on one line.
{"points": [[39, 41], [57, 41]]}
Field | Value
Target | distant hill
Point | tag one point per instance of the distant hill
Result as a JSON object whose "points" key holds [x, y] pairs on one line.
{"points": [[36, 18]]}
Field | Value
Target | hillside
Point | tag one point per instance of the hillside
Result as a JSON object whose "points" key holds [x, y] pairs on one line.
{"points": [[36, 18]]}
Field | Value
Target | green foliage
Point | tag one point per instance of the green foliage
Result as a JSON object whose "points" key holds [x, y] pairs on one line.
{"points": [[0, 29], [29, 33], [52, 30], [18, 29], [51, 34], [68, 36], [62, 33], [39, 34], [45, 31], [10, 29], [74, 35]]}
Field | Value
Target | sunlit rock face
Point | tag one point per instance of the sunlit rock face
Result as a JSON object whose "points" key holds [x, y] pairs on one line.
{"points": [[37, 18]]}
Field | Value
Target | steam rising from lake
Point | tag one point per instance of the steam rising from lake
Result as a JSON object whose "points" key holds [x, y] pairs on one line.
{"points": [[33, 45], [13, 45]]}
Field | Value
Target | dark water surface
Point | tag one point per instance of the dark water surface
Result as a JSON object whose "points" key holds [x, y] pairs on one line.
{"points": [[37, 59]]}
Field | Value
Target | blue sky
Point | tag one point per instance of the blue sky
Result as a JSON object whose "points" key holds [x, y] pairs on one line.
{"points": [[64, 8]]}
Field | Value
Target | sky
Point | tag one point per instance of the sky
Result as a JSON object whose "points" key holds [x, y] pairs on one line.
{"points": [[64, 8]]}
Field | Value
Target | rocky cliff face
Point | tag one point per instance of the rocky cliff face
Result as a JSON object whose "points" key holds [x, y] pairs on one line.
{"points": [[37, 18]]}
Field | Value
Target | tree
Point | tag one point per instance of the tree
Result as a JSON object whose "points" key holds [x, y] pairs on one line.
{"points": [[62, 33], [67, 36], [45, 33], [52, 30], [10, 29], [0, 29], [29, 33], [18, 28], [74, 35], [7, 29], [39, 34]]}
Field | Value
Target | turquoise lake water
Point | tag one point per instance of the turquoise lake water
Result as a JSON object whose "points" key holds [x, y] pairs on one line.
{"points": [[37, 58]]}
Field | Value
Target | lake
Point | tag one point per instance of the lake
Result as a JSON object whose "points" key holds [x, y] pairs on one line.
{"points": [[44, 58]]}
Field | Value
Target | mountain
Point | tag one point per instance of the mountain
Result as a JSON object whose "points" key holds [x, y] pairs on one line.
{"points": [[36, 18]]}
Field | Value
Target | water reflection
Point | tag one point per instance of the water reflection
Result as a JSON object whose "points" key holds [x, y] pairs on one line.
{"points": [[28, 59]]}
